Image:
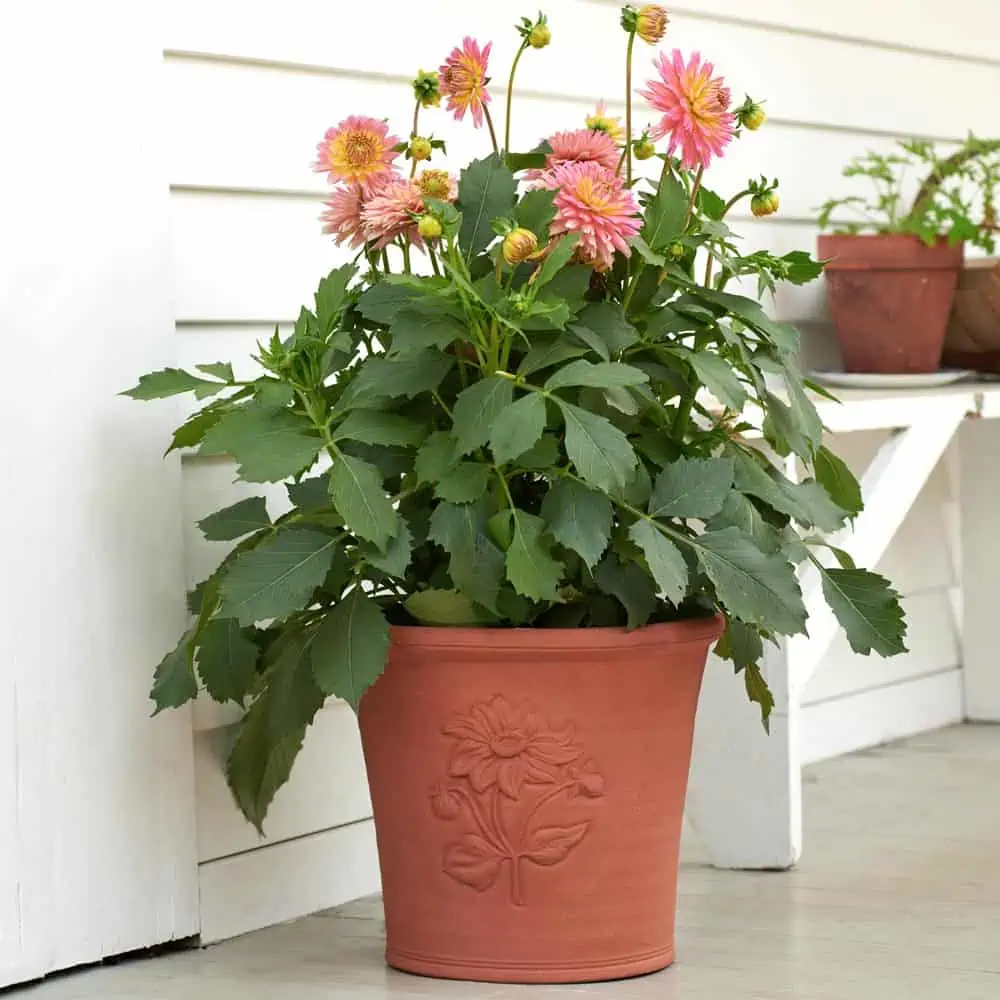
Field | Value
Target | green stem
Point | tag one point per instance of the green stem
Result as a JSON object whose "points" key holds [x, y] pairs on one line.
{"points": [[413, 135], [434, 262], [974, 148], [695, 188], [510, 96], [405, 247], [493, 132], [628, 109]]}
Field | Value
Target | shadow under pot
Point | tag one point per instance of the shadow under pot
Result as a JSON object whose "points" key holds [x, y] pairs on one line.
{"points": [[889, 297]]}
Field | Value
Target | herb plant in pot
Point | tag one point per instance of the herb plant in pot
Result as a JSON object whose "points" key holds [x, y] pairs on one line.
{"points": [[520, 511], [891, 273]]}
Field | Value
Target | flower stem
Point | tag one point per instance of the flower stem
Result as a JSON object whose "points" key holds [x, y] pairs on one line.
{"points": [[510, 96], [493, 133], [413, 135], [695, 188], [736, 198], [628, 109]]}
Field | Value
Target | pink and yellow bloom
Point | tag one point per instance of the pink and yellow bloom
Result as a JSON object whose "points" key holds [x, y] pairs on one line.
{"points": [[582, 145], [601, 121], [393, 210], [695, 108], [359, 150], [439, 184], [462, 80], [594, 202], [342, 216]]}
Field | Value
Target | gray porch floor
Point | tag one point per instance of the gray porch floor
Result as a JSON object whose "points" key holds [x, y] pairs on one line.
{"points": [[897, 898]]}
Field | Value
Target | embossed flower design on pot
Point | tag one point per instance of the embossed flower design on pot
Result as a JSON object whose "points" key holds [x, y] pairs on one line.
{"points": [[520, 786]]}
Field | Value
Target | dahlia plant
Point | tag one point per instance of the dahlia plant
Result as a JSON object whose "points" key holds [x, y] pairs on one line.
{"points": [[520, 404]]}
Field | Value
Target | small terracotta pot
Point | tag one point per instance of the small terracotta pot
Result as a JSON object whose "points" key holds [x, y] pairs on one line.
{"points": [[973, 337], [528, 788], [890, 297]]}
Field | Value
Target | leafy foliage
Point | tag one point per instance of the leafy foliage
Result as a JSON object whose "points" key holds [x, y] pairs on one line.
{"points": [[527, 444]]}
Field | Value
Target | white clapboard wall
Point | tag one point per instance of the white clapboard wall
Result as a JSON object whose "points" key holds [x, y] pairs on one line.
{"points": [[249, 89]]}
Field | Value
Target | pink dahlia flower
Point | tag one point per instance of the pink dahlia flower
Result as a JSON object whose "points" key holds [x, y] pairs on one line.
{"points": [[593, 201], [462, 80], [359, 150], [342, 216], [582, 145], [695, 107], [392, 211], [439, 184]]}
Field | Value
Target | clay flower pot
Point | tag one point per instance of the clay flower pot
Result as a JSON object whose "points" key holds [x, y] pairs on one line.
{"points": [[973, 337], [889, 297], [528, 788]]}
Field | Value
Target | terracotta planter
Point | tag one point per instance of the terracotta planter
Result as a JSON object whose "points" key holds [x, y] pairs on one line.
{"points": [[528, 788], [973, 337], [889, 298]]}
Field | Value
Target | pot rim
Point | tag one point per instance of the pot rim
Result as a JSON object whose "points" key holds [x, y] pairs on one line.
{"points": [[702, 629]]}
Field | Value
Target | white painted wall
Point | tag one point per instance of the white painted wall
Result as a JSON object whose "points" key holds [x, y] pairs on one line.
{"points": [[96, 801]]}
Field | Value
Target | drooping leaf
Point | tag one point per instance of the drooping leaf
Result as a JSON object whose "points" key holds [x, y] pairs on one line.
{"points": [[486, 191], [477, 408], [630, 585], [218, 369], [408, 376], [740, 643], [350, 649], [518, 427], [476, 565], [719, 378], [267, 446], [601, 453], [739, 512], [665, 214], [277, 577], [664, 558], [692, 487], [445, 607], [759, 693], [607, 321], [838, 481], [377, 427], [227, 660], [758, 588], [359, 496], [605, 375], [463, 484], [868, 608], [578, 518], [236, 520], [530, 567], [171, 382], [174, 682]]}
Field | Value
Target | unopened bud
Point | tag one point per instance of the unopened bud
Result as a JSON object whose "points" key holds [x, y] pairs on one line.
{"points": [[676, 251], [519, 245], [420, 148], [643, 149], [765, 203], [651, 23], [426, 90], [751, 115], [429, 227], [540, 35]]}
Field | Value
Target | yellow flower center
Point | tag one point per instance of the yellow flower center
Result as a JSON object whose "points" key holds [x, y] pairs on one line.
{"points": [[434, 184], [357, 153], [596, 195], [464, 79]]}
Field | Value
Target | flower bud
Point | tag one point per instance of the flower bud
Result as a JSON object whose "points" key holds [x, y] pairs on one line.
{"points": [[676, 250], [426, 90], [420, 148], [519, 245], [765, 203], [751, 115], [643, 149], [540, 35], [429, 227], [651, 23]]}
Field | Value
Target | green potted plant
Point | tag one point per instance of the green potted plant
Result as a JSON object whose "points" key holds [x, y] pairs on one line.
{"points": [[892, 269], [520, 510]]}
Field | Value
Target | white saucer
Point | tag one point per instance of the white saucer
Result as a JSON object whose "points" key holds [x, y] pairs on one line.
{"points": [[874, 380]]}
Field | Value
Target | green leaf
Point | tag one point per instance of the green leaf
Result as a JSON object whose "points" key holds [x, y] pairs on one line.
{"points": [[193, 430], [351, 647], [630, 585], [170, 382], [518, 427], [357, 493], [407, 376], [759, 693], [396, 559], [838, 481], [235, 521], [549, 353], [174, 681], [868, 608], [218, 369], [664, 558], [376, 427], [477, 408], [555, 260], [801, 268], [413, 332], [530, 567], [437, 456], [543, 455], [268, 446], [692, 487], [719, 378], [665, 214], [386, 299], [740, 643], [445, 607], [463, 484], [533, 160], [600, 452], [310, 495], [277, 577], [486, 191], [578, 518], [784, 336], [227, 660], [605, 375], [535, 211], [476, 565], [648, 254], [331, 297], [758, 588], [607, 320], [739, 512], [710, 204]]}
